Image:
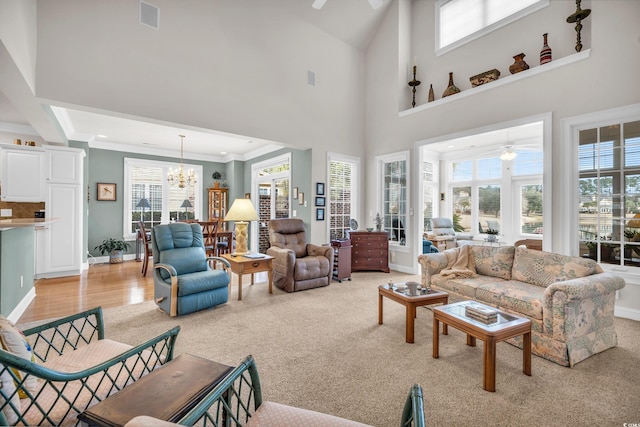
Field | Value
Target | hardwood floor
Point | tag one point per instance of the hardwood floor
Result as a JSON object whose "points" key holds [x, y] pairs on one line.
{"points": [[106, 285]]}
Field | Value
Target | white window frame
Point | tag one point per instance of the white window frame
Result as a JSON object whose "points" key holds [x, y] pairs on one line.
{"points": [[381, 161], [440, 50], [571, 128], [165, 166], [355, 185]]}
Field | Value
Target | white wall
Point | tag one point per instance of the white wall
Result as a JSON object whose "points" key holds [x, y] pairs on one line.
{"points": [[606, 79], [236, 66]]}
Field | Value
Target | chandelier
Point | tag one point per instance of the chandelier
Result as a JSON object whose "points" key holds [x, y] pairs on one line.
{"points": [[179, 177]]}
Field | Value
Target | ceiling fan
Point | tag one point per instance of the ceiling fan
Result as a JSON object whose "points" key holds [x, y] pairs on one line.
{"points": [[510, 152], [375, 4]]}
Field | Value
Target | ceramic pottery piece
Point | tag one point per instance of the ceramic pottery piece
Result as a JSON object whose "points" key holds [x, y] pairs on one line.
{"points": [[431, 95], [519, 64], [545, 53], [451, 89], [486, 77]]}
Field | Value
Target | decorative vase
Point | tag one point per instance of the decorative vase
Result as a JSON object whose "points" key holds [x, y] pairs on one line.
{"points": [[492, 238], [451, 89], [216, 184], [431, 95], [519, 64], [545, 53]]}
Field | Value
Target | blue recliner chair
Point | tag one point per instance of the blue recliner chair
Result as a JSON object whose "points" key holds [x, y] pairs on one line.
{"points": [[428, 247], [185, 279]]}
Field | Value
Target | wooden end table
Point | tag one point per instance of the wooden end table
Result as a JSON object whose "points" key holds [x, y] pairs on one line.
{"points": [[410, 302], [241, 264], [167, 393], [506, 326]]}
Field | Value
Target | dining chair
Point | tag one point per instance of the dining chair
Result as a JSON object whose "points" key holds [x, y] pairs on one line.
{"points": [[145, 236], [210, 235]]}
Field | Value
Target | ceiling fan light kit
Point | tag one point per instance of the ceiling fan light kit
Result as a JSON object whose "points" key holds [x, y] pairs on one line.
{"points": [[375, 4]]}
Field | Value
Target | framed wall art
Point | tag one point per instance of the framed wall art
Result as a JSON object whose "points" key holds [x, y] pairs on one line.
{"points": [[106, 191], [320, 214], [320, 188], [320, 201]]}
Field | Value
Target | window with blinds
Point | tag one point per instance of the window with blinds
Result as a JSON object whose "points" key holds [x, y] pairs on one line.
{"points": [[460, 21], [342, 196], [609, 193], [147, 179]]}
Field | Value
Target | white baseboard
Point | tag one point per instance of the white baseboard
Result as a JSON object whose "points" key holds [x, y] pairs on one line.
{"points": [[627, 313], [22, 306], [402, 268]]}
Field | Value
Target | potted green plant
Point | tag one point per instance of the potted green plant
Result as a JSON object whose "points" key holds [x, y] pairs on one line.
{"points": [[492, 234], [114, 248], [216, 176]]}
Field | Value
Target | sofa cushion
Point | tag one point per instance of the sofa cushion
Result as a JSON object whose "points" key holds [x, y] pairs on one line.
{"points": [[14, 341], [494, 261], [463, 286], [514, 296], [276, 414], [544, 268]]}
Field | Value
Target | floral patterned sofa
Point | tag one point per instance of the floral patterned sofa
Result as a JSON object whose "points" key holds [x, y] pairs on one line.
{"points": [[569, 300]]}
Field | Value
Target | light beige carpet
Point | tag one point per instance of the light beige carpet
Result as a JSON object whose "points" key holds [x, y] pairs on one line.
{"points": [[323, 349]]}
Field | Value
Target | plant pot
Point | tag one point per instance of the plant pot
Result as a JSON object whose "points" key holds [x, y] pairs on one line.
{"points": [[116, 257]]}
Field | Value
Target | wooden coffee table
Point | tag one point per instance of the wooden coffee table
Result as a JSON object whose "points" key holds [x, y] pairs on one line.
{"points": [[240, 265], [410, 302], [167, 393], [506, 326]]}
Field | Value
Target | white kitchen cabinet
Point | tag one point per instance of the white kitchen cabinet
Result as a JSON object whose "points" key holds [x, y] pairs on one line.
{"points": [[64, 166], [22, 174], [62, 239]]}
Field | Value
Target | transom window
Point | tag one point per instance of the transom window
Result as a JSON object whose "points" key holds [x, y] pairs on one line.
{"points": [[460, 21]]}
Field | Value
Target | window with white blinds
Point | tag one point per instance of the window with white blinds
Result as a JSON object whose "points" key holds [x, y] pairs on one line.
{"points": [[609, 193], [147, 179], [343, 179], [460, 21]]}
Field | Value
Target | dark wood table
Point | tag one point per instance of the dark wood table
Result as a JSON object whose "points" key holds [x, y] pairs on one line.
{"points": [[410, 302], [167, 393], [506, 326]]}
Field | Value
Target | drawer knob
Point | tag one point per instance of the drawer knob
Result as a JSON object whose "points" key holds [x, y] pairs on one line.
{"points": [[256, 264]]}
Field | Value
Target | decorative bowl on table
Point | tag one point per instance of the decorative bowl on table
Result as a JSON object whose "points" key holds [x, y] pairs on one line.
{"points": [[369, 229]]}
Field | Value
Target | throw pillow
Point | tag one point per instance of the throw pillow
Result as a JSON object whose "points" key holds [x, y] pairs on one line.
{"points": [[544, 268], [15, 342], [8, 389]]}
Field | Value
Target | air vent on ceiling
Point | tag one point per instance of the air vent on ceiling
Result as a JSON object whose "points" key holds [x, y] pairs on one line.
{"points": [[311, 78], [149, 15]]}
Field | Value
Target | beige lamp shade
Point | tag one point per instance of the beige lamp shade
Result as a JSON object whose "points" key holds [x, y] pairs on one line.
{"points": [[241, 212]]}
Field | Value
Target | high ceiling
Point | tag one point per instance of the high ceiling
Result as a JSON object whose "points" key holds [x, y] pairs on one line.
{"points": [[352, 21]]}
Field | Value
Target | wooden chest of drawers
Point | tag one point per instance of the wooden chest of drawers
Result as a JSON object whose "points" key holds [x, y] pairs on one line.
{"points": [[369, 251]]}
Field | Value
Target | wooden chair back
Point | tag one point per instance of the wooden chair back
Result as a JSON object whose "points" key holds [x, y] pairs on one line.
{"points": [[534, 244], [210, 235]]}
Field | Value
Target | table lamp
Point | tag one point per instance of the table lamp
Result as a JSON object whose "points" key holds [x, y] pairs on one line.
{"points": [[143, 203], [241, 212], [186, 204]]}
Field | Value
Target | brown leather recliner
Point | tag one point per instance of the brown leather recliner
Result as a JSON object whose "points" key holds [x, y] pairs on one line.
{"points": [[297, 265]]}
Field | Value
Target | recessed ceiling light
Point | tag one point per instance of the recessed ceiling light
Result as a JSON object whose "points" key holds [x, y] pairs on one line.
{"points": [[223, 152], [146, 143], [101, 135]]}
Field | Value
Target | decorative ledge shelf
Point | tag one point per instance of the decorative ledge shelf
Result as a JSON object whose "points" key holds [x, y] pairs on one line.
{"points": [[556, 63]]}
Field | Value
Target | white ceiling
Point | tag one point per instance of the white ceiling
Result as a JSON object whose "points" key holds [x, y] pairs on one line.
{"points": [[352, 21]]}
